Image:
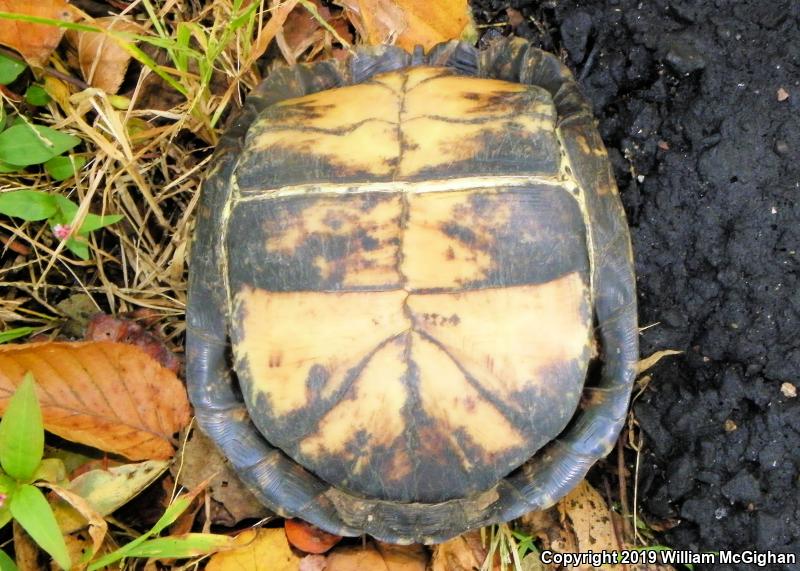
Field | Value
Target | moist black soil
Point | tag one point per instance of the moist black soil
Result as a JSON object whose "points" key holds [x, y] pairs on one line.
{"points": [[698, 102]]}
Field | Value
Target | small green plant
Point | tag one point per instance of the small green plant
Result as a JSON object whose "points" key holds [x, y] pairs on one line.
{"points": [[24, 471], [21, 451], [61, 214]]}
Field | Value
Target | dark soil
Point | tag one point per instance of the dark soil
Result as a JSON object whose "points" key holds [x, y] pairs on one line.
{"points": [[708, 163]]}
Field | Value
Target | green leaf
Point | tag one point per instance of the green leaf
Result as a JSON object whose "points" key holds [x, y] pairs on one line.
{"points": [[94, 222], [66, 210], [78, 247], [3, 116], [16, 333], [10, 69], [28, 204], [183, 546], [37, 96], [62, 168], [6, 563], [24, 144], [5, 516], [5, 167], [21, 432], [31, 510]]}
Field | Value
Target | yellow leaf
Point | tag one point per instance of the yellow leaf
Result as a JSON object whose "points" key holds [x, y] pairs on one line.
{"points": [[110, 396], [260, 549], [409, 23]]}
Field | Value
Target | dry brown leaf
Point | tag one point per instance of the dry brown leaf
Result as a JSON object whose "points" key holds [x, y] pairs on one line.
{"points": [[97, 525], [648, 362], [102, 60], [463, 553], [409, 23], [303, 32], [589, 518], [260, 549], [107, 395], [34, 42], [233, 502]]}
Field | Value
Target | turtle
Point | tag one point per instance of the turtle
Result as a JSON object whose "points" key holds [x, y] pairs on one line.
{"points": [[411, 306]]}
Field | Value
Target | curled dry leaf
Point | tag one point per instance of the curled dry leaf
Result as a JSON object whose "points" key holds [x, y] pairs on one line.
{"points": [[106, 490], [102, 60], [95, 521], [34, 42], [107, 395], [258, 549], [409, 23], [309, 538]]}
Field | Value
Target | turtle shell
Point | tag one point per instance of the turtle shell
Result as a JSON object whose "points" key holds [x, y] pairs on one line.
{"points": [[414, 259]]}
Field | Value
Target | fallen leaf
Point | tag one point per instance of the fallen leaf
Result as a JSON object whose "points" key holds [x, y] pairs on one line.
{"points": [[580, 522], [260, 549], [107, 395], [463, 553], [309, 538], [102, 60], [648, 362], [589, 518], [34, 42], [107, 490], [97, 525], [409, 23], [304, 32], [232, 501]]}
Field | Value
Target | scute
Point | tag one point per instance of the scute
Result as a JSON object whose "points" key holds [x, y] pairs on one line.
{"points": [[414, 124]]}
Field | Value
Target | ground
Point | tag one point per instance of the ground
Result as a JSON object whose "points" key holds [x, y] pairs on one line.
{"points": [[691, 100]]}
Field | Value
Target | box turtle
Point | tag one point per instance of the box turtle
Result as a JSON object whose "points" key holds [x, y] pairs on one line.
{"points": [[414, 259]]}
